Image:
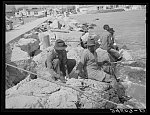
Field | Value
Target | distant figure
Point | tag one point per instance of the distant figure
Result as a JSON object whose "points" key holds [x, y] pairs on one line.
{"points": [[45, 13], [21, 21], [107, 44]]}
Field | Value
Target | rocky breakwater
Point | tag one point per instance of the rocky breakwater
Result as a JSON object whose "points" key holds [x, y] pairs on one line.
{"points": [[76, 93], [19, 55]]}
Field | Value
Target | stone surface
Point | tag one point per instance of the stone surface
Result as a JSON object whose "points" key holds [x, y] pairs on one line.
{"points": [[28, 45], [23, 101], [18, 54]]}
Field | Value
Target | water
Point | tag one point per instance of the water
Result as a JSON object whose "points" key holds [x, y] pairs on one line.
{"points": [[136, 91]]}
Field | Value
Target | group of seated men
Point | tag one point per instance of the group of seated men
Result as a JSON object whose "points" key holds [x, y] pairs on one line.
{"points": [[95, 60]]}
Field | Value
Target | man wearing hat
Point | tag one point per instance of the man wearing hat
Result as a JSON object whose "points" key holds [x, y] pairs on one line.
{"points": [[89, 67], [57, 63], [107, 44]]}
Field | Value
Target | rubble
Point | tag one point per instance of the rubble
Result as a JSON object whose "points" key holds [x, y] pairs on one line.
{"points": [[50, 95]]}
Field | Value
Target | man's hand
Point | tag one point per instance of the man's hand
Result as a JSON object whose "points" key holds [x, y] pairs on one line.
{"points": [[77, 71]]}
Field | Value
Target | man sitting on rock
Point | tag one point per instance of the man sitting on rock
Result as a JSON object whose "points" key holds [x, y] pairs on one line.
{"points": [[89, 66], [107, 44], [57, 63]]}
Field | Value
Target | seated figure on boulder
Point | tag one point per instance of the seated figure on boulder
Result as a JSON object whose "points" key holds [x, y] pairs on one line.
{"points": [[92, 64], [107, 44], [89, 66], [57, 63]]}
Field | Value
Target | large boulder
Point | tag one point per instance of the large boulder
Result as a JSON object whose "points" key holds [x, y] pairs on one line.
{"points": [[65, 98], [18, 54], [22, 102], [30, 93], [28, 45], [98, 91]]}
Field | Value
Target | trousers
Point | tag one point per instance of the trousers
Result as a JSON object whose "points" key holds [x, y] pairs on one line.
{"points": [[113, 54], [60, 68]]}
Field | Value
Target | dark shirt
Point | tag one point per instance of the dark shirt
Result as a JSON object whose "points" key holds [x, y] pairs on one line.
{"points": [[52, 54]]}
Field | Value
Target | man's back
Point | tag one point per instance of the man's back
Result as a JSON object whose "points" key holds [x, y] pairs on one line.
{"points": [[105, 40]]}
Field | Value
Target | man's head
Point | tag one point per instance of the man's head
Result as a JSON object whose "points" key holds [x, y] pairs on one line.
{"points": [[106, 27], [60, 45], [91, 45]]}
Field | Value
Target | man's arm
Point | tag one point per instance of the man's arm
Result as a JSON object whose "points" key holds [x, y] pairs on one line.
{"points": [[81, 65], [109, 42]]}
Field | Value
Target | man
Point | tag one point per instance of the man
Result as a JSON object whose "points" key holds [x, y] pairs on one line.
{"points": [[106, 44], [89, 67], [57, 63]]}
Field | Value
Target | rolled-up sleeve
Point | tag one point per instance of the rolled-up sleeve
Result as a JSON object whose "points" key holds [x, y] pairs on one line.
{"points": [[83, 61]]}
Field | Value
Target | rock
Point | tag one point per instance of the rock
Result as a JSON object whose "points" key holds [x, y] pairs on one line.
{"points": [[54, 24], [28, 45], [126, 55], [18, 54], [74, 53], [51, 36], [14, 76], [38, 86], [102, 55], [14, 89], [74, 82], [27, 93], [23, 101], [65, 98]]}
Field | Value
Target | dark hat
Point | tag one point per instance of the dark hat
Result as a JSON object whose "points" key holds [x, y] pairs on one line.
{"points": [[106, 27], [91, 42], [60, 45]]}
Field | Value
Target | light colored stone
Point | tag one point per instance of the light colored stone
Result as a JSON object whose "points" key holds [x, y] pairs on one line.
{"points": [[18, 54], [24, 41], [23, 101], [126, 55], [102, 55], [65, 98]]}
